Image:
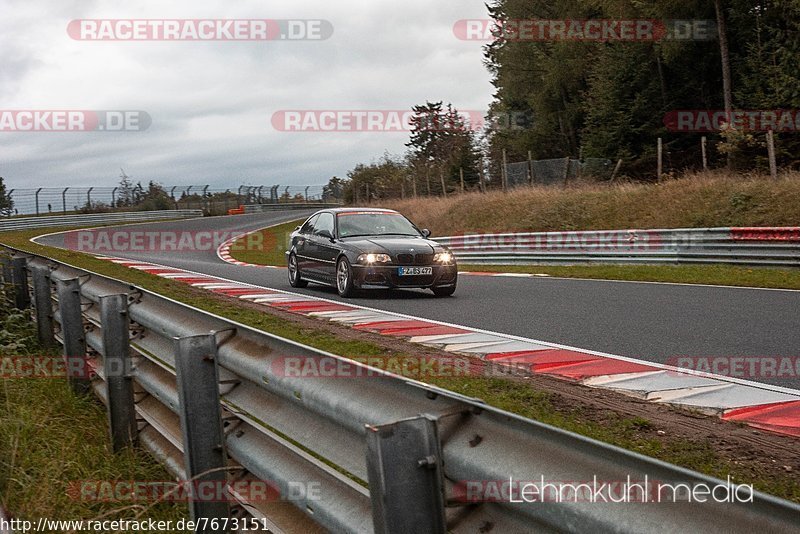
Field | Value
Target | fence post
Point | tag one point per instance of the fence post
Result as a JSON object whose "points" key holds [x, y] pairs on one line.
{"points": [[114, 197], [703, 141], [660, 158], [64, 200], [201, 422], [461, 176], [74, 339], [565, 178], [616, 169], [773, 165], [406, 483], [36, 196], [117, 365], [306, 193], [89, 198], [43, 304], [530, 168], [504, 171], [19, 276]]}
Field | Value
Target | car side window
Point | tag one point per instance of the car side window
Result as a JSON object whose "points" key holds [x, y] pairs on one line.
{"points": [[308, 227], [325, 222]]}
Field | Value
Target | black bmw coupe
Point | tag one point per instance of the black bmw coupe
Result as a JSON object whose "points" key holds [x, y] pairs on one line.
{"points": [[363, 248]]}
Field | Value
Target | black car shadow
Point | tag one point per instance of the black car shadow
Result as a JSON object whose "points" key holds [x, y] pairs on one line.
{"points": [[377, 294]]}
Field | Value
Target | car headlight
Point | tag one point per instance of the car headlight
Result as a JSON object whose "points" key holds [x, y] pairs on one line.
{"points": [[443, 257], [374, 258]]}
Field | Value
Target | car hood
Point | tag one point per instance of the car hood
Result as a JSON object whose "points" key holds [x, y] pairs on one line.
{"points": [[394, 245]]}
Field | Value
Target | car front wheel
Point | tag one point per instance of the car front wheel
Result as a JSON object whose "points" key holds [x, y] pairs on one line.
{"points": [[344, 277], [294, 273]]}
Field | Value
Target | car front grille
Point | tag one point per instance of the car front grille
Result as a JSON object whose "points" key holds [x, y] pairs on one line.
{"points": [[418, 259]]}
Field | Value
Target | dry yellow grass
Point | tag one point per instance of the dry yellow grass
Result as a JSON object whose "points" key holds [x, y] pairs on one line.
{"points": [[694, 200]]}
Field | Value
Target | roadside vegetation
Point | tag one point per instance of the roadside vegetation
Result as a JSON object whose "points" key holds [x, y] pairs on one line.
{"points": [[51, 439], [634, 433], [691, 201]]}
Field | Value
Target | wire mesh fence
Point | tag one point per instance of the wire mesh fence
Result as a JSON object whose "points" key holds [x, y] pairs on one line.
{"points": [[63, 200], [557, 171]]}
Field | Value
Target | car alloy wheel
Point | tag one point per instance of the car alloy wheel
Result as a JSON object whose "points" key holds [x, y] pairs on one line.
{"points": [[294, 273], [344, 278]]}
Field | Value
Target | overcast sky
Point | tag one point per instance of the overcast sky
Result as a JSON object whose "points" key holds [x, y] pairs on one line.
{"points": [[211, 102]]}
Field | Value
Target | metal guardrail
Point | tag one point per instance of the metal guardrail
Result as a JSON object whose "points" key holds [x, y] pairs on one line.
{"points": [[777, 247], [385, 453], [25, 223], [258, 208]]}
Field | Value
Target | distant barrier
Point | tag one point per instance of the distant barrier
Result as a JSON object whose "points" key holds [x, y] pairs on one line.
{"points": [[24, 223], [776, 247]]}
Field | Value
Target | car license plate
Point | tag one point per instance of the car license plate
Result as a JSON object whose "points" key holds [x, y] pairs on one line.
{"points": [[414, 271]]}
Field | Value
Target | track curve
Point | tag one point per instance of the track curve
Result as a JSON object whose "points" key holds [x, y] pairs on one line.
{"points": [[646, 321]]}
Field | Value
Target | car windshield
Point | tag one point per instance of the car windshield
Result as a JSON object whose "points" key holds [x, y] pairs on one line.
{"points": [[374, 223]]}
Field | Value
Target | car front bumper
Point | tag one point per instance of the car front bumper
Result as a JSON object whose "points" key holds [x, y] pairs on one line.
{"points": [[386, 276]]}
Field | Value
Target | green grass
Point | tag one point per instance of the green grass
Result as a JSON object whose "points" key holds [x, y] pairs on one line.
{"points": [[724, 275], [51, 439], [265, 247], [515, 397]]}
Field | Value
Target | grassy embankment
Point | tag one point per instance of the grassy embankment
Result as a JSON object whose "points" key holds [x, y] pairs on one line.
{"points": [[51, 439]]}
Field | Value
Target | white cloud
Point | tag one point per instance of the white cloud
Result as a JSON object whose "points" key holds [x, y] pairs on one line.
{"points": [[211, 102]]}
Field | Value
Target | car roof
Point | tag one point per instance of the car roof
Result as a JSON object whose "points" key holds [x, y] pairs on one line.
{"points": [[358, 210]]}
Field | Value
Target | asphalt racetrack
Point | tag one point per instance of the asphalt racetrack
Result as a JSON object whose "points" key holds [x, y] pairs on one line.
{"points": [[647, 321]]}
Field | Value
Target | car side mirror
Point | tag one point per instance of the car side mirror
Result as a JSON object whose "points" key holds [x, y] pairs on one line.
{"points": [[325, 233], [426, 233]]}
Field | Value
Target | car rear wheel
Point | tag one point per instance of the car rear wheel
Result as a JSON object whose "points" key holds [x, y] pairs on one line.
{"points": [[443, 291], [294, 273], [344, 277]]}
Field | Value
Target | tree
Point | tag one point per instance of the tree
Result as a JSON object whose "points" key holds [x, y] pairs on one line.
{"points": [[333, 190], [124, 190], [441, 144], [6, 202]]}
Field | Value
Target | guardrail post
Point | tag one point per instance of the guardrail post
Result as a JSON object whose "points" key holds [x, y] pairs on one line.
{"points": [[74, 338], [201, 422], [5, 265], [43, 303], [406, 482], [117, 365], [19, 275]]}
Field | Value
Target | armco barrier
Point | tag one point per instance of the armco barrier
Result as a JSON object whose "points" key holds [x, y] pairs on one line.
{"points": [[257, 208], [384, 454], [24, 223], [776, 247]]}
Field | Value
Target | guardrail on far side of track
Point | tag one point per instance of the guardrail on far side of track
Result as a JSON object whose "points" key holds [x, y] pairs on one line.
{"points": [[776, 247]]}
